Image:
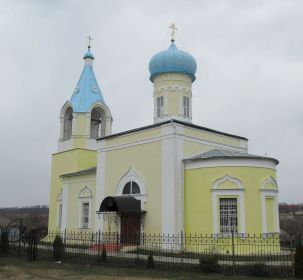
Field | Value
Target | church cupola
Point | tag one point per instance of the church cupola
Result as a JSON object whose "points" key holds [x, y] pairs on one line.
{"points": [[172, 72], [85, 117]]}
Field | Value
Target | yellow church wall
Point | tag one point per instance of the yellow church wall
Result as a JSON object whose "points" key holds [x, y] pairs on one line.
{"points": [[81, 124], [75, 185], [199, 209], [173, 104], [198, 196], [133, 137], [212, 137], [192, 148], [146, 160], [64, 163]]}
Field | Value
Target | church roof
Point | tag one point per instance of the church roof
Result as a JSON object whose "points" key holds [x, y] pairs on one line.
{"points": [[87, 90], [172, 121], [218, 153]]}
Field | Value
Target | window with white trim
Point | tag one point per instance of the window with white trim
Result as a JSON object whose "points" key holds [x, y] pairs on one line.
{"points": [[85, 214], [228, 215], [186, 106], [160, 106], [131, 188]]}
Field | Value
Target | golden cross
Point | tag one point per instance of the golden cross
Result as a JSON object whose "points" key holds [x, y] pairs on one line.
{"points": [[89, 39], [173, 31]]}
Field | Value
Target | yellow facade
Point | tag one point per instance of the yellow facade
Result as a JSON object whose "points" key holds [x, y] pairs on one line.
{"points": [[63, 163], [198, 196]]}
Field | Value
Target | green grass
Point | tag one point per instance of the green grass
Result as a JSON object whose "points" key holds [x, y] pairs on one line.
{"points": [[71, 271]]}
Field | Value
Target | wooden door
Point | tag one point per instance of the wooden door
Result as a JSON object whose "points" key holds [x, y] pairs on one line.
{"points": [[130, 228]]}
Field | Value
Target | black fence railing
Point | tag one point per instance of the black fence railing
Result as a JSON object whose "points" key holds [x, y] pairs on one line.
{"points": [[235, 254]]}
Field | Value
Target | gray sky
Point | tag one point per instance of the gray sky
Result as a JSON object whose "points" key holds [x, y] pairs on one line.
{"points": [[249, 78]]}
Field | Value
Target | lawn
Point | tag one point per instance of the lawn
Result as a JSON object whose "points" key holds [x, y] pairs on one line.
{"points": [[17, 269]]}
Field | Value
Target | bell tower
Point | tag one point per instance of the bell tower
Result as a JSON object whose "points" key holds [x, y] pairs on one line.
{"points": [[85, 117]]}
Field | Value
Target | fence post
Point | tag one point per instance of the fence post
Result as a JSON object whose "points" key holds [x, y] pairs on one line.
{"points": [[233, 250], [20, 236], [99, 239], [182, 245], [64, 245], [293, 246]]}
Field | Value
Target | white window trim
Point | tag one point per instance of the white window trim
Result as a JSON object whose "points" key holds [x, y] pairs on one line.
{"points": [[132, 175], [217, 193], [85, 196]]}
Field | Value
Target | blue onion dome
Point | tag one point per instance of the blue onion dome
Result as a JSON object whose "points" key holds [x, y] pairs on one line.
{"points": [[88, 54], [172, 60]]}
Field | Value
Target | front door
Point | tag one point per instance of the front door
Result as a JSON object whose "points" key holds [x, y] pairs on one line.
{"points": [[130, 228]]}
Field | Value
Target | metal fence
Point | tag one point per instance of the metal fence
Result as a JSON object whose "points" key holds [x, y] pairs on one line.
{"points": [[236, 254]]}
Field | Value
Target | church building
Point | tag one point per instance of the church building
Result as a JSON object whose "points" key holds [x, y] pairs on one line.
{"points": [[167, 177]]}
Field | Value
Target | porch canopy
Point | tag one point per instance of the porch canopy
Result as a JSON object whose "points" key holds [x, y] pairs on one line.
{"points": [[120, 204]]}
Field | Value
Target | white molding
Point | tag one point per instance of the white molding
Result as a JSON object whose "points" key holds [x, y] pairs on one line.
{"points": [[60, 196], [66, 105], [235, 162], [133, 175], [102, 106], [228, 192], [229, 178], [71, 181], [85, 193], [269, 180]]}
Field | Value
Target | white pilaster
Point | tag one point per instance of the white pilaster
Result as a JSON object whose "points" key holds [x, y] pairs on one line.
{"points": [[100, 185], [64, 223]]}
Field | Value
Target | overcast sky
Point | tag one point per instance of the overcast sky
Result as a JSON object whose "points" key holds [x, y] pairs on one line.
{"points": [[249, 78]]}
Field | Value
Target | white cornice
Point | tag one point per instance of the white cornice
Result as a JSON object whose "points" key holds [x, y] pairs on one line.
{"points": [[104, 145], [230, 162]]}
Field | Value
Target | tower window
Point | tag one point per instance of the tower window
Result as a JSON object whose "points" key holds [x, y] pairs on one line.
{"points": [[186, 106], [228, 215], [68, 123], [131, 188], [160, 106], [96, 129]]}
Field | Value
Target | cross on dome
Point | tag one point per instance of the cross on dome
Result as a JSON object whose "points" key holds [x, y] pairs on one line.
{"points": [[173, 31], [89, 38]]}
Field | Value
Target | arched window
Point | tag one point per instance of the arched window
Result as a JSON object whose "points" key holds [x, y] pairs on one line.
{"points": [[131, 188], [96, 128], [68, 123]]}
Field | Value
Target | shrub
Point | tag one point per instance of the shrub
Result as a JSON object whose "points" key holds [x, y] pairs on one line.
{"points": [[150, 261], [4, 243], [299, 259], [208, 264], [259, 269], [58, 248], [103, 255]]}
